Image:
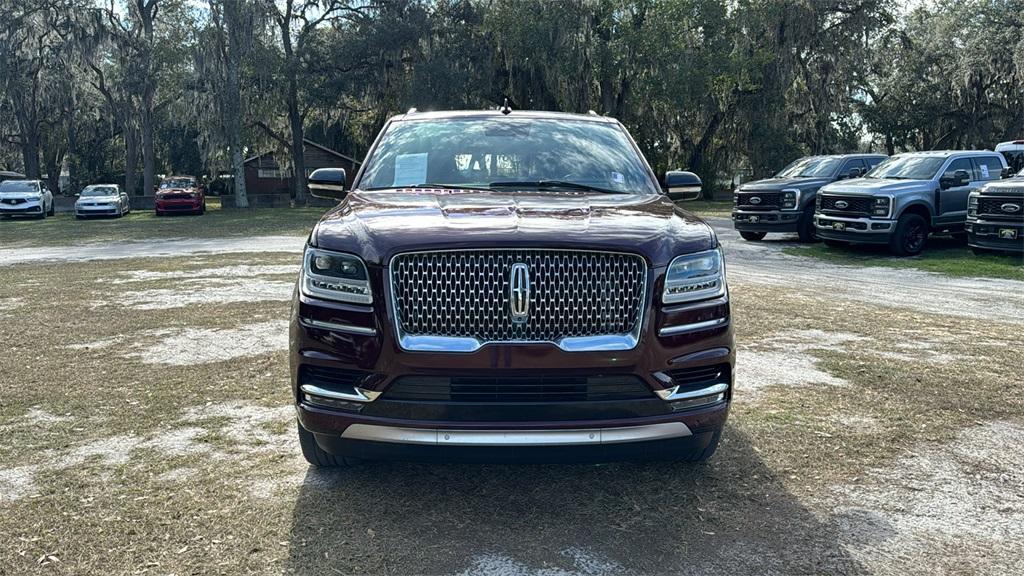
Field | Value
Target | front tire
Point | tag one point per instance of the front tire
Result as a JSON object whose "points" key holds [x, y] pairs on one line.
{"points": [[753, 236], [53, 209], [315, 455], [910, 236]]}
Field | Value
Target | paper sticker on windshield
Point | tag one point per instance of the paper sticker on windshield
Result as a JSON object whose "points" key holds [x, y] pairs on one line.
{"points": [[410, 169], [618, 178], [984, 172]]}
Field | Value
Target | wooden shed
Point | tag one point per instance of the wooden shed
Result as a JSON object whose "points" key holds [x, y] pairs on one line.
{"points": [[265, 176]]}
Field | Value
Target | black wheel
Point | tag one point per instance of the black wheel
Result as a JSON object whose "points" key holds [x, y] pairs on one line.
{"points": [[980, 251], [834, 243], [910, 236], [53, 208], [705, 454], [805, 228], [753, 236], [316, 455]]}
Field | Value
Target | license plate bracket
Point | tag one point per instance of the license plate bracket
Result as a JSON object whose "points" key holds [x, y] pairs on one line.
{"points": [[753, 219], [839, 226], [1008, 233]]}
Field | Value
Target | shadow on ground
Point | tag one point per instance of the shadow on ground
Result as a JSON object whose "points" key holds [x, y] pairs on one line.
{"points": [[732, 516]]}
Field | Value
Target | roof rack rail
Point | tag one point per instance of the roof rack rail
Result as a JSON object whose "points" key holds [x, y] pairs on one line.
{"points": [[592, 113]]}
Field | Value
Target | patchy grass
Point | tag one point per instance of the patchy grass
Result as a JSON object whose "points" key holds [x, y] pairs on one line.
{"points": [[114, 466], [715, 208], [64, 229], [942, 255]]}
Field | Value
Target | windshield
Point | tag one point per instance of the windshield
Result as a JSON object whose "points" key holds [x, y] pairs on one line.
{"points": [[508, 154], [177, 183], [810, 167], [908, 168], [19, 186], [100, 191]]}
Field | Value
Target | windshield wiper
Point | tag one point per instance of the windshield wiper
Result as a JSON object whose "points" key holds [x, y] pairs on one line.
{"points": [[552, 184], [428, 185]]}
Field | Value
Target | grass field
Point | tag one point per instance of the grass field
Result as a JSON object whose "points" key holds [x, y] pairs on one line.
{"points": [[942, 255], [64, 229]]}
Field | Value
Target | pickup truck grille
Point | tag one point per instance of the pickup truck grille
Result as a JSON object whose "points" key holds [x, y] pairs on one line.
{"points": [[995, 208], [467, 294], [765, 200], [854, 205]]}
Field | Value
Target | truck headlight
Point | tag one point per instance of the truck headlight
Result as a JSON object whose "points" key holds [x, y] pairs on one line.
{"points": [[694, 277], [790, 199], [880, 207], [335, 276]]}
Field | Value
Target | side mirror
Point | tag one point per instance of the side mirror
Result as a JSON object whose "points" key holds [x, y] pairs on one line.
{"points": [[958, 178], [327, 183], [856, 173], [1006, 172], [682, 186]]}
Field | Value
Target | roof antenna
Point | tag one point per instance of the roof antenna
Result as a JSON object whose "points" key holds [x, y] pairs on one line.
{"points": [[506, 109]]}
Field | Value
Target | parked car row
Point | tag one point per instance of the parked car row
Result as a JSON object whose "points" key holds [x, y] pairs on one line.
{"points": [[175, 194], [897, 202]]}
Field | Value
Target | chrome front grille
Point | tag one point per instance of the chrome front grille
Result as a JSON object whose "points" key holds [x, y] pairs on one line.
{"points": [[460, 300]]}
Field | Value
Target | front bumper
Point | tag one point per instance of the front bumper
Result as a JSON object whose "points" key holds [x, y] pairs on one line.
{"points": [[995, 235], [860, 230], [32, 207], [766, 221], [191, 205], [367, 423], [102, 210]]}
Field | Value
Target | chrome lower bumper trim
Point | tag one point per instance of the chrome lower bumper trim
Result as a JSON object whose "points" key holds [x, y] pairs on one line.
{"points": [[336, 327], [584, 436], [609, 342], [687, 328], [672, 394], [359, 395]]}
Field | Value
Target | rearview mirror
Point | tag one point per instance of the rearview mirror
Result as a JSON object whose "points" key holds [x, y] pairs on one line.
{"points": [[682, 186], [327, 183]]}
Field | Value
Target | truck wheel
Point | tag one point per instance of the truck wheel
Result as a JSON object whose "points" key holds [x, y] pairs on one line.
{"points": [[753, 236], [316, 455], [805, 228], [708, 451], [910, 236]]}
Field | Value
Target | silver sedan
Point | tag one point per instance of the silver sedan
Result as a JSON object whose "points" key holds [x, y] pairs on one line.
{"points": [[102, 200]]}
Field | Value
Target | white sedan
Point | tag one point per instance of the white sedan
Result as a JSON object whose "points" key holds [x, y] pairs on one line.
{"points": [[102, 200], [25, 198]]}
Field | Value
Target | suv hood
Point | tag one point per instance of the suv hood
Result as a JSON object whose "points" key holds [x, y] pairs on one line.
{"points": [[377, 225], [869, 186], [776, 184]]}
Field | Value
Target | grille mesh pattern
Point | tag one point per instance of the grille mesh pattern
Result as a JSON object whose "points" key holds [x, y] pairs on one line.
{"points": [[993, 207], [854, 205], [769, 200], [510, 389], [465, 294]]}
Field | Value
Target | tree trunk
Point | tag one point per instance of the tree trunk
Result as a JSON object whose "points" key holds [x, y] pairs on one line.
{"points": [[298, 154], [30, 154], [148, 150], [131, 159]]}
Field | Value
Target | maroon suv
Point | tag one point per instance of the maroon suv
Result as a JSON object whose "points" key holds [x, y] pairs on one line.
{"points": [[509, 286]]}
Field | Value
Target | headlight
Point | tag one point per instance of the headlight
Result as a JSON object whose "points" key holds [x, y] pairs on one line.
{"points": [[335, 276], [695, 277], [736, 197], [790, 199], [880, 207]]}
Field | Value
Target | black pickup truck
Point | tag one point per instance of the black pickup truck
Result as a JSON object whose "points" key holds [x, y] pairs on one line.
{"points": [[785, 202]]}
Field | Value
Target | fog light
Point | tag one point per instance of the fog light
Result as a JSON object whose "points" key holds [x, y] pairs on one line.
{"points": [[695, 402], [332, 403]]}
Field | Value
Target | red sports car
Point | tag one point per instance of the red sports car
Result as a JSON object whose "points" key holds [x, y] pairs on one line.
{"points": [[180, 194]]}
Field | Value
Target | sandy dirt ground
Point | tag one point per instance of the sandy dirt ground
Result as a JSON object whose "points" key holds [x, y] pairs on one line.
{"points": [[878, 428]]}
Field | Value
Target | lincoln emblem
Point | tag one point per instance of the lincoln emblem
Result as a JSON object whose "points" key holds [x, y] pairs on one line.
{"points": [[519, 292]]}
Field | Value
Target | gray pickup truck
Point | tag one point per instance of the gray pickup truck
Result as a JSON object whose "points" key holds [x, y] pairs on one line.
{"points": [[785, 202], [995, 216], [905, 198]]}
